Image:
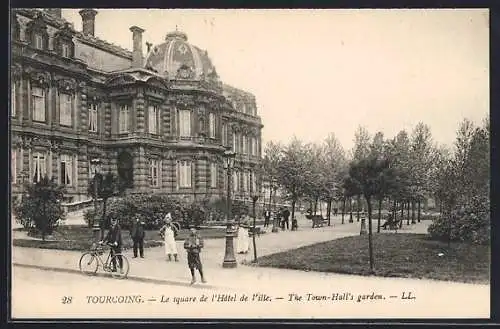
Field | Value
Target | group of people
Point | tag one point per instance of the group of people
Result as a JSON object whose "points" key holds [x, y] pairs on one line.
{"points": [[283, 218], [192, 244]]}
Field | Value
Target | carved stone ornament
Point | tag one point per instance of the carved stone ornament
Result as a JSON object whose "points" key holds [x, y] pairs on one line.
{"points": [[39, 78], [16, 71], [17, 142], [66, 85], [55, 146], [184, 100], [38, 141], [185, 72], [66, 32]]}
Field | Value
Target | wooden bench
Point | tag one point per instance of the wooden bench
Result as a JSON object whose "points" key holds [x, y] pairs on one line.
{"points": [[318, 221], [257, 231]]}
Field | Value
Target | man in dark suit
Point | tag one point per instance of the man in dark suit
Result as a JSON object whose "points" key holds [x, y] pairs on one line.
{"points": [[137, 234], [114, 239], [267, 216], [286, 218]]}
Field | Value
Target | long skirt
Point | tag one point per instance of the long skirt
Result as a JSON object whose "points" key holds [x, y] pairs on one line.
{"points": [[170, 245], [243, 241], [194, 261]]}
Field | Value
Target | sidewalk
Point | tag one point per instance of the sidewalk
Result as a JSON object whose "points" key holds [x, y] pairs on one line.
{"points": [[155, 266]]}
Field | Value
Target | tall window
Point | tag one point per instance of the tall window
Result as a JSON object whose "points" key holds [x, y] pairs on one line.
{"points": [[213, 175], [66, 50], [39, 166], [66, 109], [38, 104], [235, 142], [224, 134], [38, 41], [184, 123], [13, 98], [13, 166], [235, 181], [93, 117], [66, 170], [254, 183], [211, 125], [154, 172], [184, 174], [252, 145], [153, 119], [244, 144], [123, 119], [245, 181]]}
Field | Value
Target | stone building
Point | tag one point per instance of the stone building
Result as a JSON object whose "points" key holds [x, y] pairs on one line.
{"points": [[160, 122]]}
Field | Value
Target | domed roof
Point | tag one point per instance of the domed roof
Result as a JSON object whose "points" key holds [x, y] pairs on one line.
{"points": [[178, 59]]}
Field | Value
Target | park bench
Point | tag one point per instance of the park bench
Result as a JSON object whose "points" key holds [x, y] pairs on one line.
{"points": [[317, 220], [257, 231], [393, 225]]}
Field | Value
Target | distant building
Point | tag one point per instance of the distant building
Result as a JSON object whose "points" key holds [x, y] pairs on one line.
{"points": [[161, 122]]}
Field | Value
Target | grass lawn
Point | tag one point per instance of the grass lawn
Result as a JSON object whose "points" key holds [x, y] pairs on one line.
{"points": [[396, 255], [73, 237]]}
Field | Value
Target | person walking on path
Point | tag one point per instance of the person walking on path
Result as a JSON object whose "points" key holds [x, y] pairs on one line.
{"points": [[286, 217], [114, 238], [137, 234], [243, 242], [169, 232], [267, 217], [193, 245]]}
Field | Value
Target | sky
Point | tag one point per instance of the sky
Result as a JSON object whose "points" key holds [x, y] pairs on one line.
{"points": [[316, 72]]}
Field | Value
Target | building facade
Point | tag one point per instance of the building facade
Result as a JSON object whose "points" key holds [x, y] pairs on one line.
{"points": [[160, 122]]}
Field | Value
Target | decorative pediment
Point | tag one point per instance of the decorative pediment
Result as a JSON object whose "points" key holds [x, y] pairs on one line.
{"points": [[185, 72], [42, 142], [184, 100], [157, 82], [66, 32], [17, 142], [55, 146], [16, 71], [39, 78], [121, 79], [66, 85], [38, 22]]}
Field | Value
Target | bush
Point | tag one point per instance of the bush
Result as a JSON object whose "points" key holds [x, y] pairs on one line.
{"points": [[40, 209], [470, 223]]}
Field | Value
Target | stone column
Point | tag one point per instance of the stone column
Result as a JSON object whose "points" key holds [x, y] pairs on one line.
{"points": [[139, 113], [81, 110], [105, 120], [140, 170], [83, 173]]}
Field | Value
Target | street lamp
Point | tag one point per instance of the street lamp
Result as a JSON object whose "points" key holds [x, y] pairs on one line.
{"points": [[255, 197], [96, 163], [275, 217], [229, 259]]}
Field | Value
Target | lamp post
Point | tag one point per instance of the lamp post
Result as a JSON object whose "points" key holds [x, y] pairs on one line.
{"points": [[95, 225], [255, 197], [275, 217], [229, 258]]}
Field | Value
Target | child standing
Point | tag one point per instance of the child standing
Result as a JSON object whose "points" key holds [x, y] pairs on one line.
{"points": [[193, 245]]}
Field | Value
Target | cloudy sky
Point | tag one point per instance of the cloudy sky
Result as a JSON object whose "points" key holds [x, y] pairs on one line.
{"points": [[320, 71]]}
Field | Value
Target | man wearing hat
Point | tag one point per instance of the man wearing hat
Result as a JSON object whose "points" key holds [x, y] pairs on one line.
{"points": [[168, 232], [137, 234], [114, 238], [193, 245]]}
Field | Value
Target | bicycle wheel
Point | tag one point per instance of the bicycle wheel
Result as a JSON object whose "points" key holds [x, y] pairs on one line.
{"points": [[121, 271], [88, 263]]}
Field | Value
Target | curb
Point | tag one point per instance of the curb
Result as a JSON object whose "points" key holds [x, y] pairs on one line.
{"points": [[129, 277]]}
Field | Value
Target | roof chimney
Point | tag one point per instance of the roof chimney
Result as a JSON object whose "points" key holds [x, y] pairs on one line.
{"points": [[88, 20], [137, 51], [55, 12]]}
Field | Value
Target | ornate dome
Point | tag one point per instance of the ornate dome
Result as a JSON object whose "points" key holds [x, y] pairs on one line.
{"points": [[177, 59]]}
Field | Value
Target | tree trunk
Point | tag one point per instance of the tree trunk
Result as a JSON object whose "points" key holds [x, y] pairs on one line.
{"points": [[350, 211], [419, 211], [254, 234], [379, 214], [293, 208], [315, 206], [329, 210], [408, 213], [402, 214], [358, 204], [413, 212], [370, 236], [394, 209], [343, 209], [103, 219]]}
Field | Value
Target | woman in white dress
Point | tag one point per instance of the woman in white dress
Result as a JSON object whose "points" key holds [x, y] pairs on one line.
{"points": [[168, 232], [243, 242]]}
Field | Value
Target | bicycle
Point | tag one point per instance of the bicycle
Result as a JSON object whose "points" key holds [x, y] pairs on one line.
{"points": [[91, 260]]}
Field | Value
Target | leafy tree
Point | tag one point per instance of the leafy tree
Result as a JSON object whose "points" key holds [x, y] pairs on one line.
{"points": [[294, 172], [41, 206], [371, 174], [360, 151], [107, 187], [272, 155]]}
